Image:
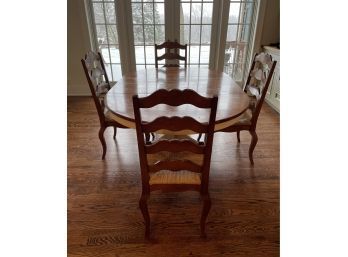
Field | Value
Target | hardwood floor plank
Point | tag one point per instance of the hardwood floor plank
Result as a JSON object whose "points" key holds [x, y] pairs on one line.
{"points": [[103, 214]]}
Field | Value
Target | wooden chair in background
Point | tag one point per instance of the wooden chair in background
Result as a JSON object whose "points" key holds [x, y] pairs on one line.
{"points": [[175, 171], [99, 85], [256, 86], [170, 55]]}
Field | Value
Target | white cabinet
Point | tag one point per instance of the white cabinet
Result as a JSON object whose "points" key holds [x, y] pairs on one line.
{"points": [[273, 92]]}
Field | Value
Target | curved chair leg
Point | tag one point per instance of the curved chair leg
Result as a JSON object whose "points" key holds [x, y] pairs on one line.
{"points": [[205, 211], [253, 143], [102, 140], [145, 212], [115, 131], [238, 136], [153, 136]]}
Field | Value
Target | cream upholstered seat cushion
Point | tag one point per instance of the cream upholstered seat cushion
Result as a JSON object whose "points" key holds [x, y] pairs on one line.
{"points": [[175, 177]]}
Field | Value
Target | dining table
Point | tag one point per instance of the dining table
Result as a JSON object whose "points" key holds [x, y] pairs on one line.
{"points": [[232, 102]]}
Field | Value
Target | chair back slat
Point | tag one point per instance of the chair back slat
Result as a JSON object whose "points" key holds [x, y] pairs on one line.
{"points": [[175, 98], [175, 165], [171, 45], [169, 55], [174, 124], [182, 149], [176, 146]]}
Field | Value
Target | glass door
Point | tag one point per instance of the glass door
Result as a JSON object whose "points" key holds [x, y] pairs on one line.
{"points": [[237, 39], [106, 36], [195, 30], [148, 29]]}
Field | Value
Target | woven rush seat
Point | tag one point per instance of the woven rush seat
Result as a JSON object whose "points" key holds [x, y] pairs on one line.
{"points": [[175, 177]]}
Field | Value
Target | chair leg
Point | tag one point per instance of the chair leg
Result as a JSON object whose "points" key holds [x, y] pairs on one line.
{"points": [[115, 131], [102, 140], [153, 136], [238, 136], [253, 143], [205, 211], [145, 212]]}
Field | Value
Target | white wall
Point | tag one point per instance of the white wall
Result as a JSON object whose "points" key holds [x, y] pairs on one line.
{"points": [[78, 45]]}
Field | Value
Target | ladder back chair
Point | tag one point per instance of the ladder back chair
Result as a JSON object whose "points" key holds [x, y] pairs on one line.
{"points": [[175, 164], [256, 87], [171, 55], [99, 85]]}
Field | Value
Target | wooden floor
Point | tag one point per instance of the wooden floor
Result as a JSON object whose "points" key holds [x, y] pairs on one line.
{"points": [[103, 214]]}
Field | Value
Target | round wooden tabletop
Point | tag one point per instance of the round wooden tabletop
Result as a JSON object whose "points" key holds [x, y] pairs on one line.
{"points": [[231, 104]]}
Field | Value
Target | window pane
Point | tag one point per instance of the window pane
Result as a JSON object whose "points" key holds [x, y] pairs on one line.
{"points": [[206, 33], [207, 13], [205, 51], [116, 71], [137, 13], [234, 13], [101, 34], [139, 55], [248, 12], [98, 13], [148, 13], [194, 54], [185, 13], [112, 34], [110, 13], [196, 13], [184, 34], [231, 33], [160, 30], [115, 54], [195, 34], [245, 31], [159, 13], [149, 34], [104, 50], [138, 34], [150, 55]]}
